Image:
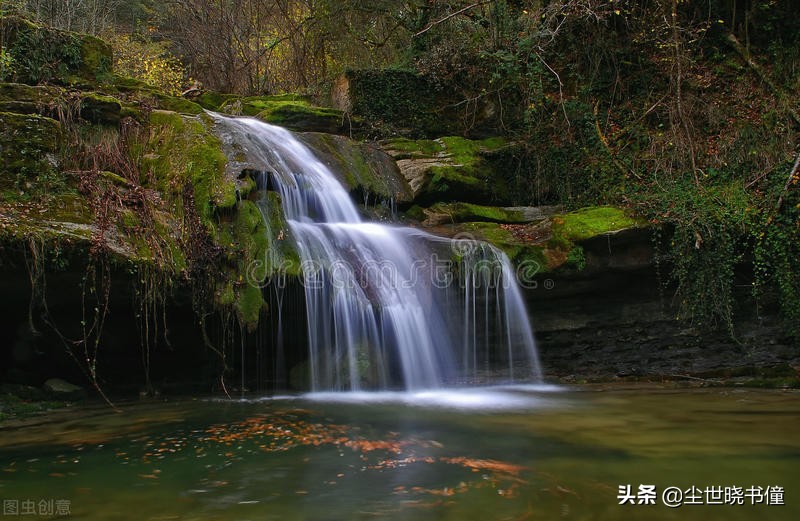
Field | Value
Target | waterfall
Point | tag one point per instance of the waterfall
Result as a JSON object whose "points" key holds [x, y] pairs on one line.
{"points": [[388, 306]]}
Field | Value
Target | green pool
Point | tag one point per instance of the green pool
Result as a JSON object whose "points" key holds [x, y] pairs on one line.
{"points": [[512, 453]]}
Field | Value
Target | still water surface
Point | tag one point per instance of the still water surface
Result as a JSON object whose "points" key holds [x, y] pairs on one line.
{"points": [[512, 453]]}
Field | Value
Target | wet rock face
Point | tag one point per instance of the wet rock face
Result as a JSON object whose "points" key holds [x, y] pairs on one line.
{"points": [[363, 168], [616, 319]]}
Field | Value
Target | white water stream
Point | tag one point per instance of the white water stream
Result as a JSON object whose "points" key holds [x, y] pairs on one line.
{"points": [[388, 306]]}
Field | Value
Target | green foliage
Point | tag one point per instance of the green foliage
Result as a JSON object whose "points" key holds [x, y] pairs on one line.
{"points": [[6, 65], [396, 100], [466, 212], [709, 240], [777, 251]]}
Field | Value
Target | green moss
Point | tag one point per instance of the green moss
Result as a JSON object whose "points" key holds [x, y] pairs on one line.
{"points": [[249, 303], [43, 98], [453, 168], [253, 105], [131, 111], [28, 147], [100, 108], [124, 84], [551, 244], [181, 149], [466, 212], [360, 166], [281, 255], [501, 237], [302, 117], [176, 104], [416, 212], [137, 92], [403, 148], [467, 152], [225, 296], [129, 219], [289, 110], [96, 59], [589, 222], [212, 100]]}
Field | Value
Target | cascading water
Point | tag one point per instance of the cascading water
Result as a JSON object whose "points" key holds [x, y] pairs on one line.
{"points": [[387, 306]]}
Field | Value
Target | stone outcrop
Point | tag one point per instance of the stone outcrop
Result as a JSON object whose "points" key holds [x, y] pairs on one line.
{"points": [[451, 169]]}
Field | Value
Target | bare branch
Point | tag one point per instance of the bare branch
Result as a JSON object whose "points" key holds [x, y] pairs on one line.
{"points": [[451, 15]]}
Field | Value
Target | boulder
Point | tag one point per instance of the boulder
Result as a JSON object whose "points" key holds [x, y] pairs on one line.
{"points": [[363, 168], [451, 168], [100, 109], [47, 55], [62, 390]]}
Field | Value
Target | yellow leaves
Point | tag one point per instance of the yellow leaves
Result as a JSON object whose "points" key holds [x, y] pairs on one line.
{"points": [[149, 62], [271, 433]]}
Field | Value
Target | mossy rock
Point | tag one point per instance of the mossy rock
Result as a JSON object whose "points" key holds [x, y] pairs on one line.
{"points": [[554, 243], [503, 237], [362, 167], [289, 110], [47, 55], [260, 236], [281, 255], [258, 243], [212, 100], [590, 222], [441, 213], [184, 149], [28, 145], [302, 117], [253, 105], [100, 109], [136, 92], [30, 99], [450, 169], [176, 104]]}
